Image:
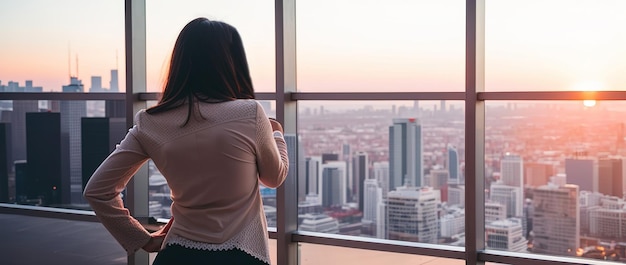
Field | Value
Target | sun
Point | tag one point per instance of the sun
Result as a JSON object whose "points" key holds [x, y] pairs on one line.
{"points": [[589, 87], [589, 103]]}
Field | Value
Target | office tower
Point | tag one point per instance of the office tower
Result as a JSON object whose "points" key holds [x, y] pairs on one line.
{"points": [[509, 196], [538, 174], [360, 170], [505, 235], [611, 176], [333, 186], [452, 164], [96, 84], [412, 214], [346, 156], [312, 166], [512, 170], [18, 126], [114, 84], [292, 148], [456, 195], [494, 211], [527, 221], [21, 191], [71, 113], [556, 221], [44, 179], [5, 160], [321, 223], [608, 221], [438, 179], [381, 174], [96, 143], [442, 107], [373, 194], [582, 172], [405, 153], [452, 223]]}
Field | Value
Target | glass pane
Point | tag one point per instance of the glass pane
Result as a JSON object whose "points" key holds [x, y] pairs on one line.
{"points": [[390, 170], [555, 175], [378, 46], [567, 45], [255, 23], [44, 41], [50, 148], [159, 192]]}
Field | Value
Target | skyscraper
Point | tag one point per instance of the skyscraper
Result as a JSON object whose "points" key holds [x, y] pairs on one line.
{"points": [[312, 171], [43, 179], [333, 186], [360, 170], [114, 84], [412, 214], [582, 172], [18, 126], [510, 196], [71, 113], [405, 153], [611, 176], [512, 170], [381, 174], [556, 220], [5, 160], [453, 166]]}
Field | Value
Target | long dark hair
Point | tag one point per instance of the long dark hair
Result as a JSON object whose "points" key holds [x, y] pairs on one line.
{"points": [[208, 64]]}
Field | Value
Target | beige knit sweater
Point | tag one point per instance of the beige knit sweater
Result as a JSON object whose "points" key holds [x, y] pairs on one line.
{"points": [[213, 166]]}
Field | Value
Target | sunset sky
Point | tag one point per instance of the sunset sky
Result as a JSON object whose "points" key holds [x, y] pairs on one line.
{"points": [[348, 45]]}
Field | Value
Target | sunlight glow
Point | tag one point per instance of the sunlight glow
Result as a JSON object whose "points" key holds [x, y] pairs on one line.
{"points": [[589, 103]]}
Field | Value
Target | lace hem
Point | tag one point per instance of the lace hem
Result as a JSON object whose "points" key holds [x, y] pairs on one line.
{"points": [[251, 240]]}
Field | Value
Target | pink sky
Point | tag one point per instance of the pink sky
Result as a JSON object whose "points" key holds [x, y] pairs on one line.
{"points": [[351, 45]]}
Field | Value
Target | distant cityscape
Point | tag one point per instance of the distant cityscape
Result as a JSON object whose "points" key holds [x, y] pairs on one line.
{"points": [[555, 173]]}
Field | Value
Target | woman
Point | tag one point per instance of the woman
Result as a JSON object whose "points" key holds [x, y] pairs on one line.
{"points": [[213, 143]]}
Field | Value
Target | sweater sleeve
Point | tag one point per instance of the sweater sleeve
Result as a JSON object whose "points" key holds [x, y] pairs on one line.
{"points": [[104, 188], [271, 157]]}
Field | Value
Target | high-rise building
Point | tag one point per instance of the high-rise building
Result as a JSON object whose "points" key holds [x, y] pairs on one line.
{"points": [[412, 214], [72, 111], [43, 179], [18, 126], [405, 153], [505, 235], [438, 179], [5, 160], [373, 194], [312, 171], [494, 211], [99, 136], [360, 170], [452, 164], [456, 195], [96, 84], [452, 223], [114, 84], [611, 176], [381, 174], [538, 174], [512, 170], [608, 221], [333, 186], [582, 172], [510, 196], [556, 220]]}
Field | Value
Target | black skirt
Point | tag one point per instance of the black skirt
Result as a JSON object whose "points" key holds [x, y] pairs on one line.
{"points": [[179, 255]]}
